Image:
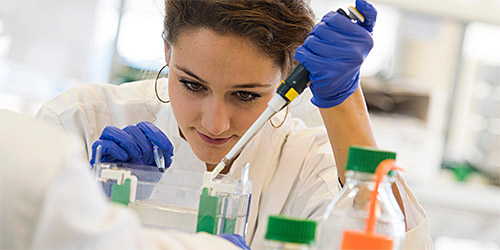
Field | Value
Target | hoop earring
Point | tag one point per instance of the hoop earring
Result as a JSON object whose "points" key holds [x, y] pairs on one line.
{"points": [[156, 85], [282, 122]]}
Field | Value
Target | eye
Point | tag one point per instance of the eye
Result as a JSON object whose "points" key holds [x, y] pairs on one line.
{"points": [[192, 86], [246, 96]]}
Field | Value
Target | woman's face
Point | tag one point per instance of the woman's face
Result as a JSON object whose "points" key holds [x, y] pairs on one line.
{"points": [[218, 86]]}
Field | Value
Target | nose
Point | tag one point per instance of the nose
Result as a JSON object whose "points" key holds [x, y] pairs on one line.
{"points": [[216, 117]]}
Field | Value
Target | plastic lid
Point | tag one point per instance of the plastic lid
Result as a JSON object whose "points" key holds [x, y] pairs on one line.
{"points": [[287, 229], [364, 159]]}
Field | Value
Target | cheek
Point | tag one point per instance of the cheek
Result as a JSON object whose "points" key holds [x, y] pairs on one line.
{"points": [[183, 106], [244, 117]]}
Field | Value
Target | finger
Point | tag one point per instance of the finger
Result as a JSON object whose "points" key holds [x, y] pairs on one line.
{"points": [[328, 16], [333, 100], [142, 142], [349, 84], [110, 152], [331, 43], [329, 49], [340, 23], [123, 139], [309, 60], [236, 239], [301, 54], [168, 161], [334, 34], [94, 150], [369, 12], [157, 137], [322, 77]]}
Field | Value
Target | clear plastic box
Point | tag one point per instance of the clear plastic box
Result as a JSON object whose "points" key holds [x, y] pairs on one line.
{"points": [[180, 199]]}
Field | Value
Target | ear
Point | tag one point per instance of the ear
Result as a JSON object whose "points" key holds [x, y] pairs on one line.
{"points": [[168, 51]]}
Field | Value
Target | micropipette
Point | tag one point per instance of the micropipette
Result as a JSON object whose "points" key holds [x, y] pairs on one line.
{"points": [[287, 91]]}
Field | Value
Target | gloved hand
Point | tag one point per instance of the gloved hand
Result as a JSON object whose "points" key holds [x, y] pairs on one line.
{"points": [[333, 54], [133, 144], [235, 239]]}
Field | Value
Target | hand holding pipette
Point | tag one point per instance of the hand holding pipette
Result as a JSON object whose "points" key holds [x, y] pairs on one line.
{"points": [[333, 53]]}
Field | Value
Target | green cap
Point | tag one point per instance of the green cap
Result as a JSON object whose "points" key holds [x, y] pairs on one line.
{"points": [[287, 229], [364, 159]]}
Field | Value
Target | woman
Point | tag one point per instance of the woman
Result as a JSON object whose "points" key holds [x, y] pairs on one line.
{"points": [[225, 60]]}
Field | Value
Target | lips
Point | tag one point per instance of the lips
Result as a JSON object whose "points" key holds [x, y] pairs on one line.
{"points": [[214, 141]]}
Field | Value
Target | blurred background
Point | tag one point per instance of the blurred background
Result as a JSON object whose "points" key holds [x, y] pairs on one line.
{"points": [[432, 84]]}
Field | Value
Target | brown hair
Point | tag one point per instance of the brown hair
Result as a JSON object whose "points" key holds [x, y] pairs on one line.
{"points": [[277, 27]]}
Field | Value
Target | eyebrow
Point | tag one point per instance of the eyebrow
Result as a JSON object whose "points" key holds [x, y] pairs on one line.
{"points": [[251, 85], [239, 86], [188, 72]]}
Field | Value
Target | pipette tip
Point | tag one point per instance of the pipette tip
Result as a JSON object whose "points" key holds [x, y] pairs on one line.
{"points": [[218, 168]]}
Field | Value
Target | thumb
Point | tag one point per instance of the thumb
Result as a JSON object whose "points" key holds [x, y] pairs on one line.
{"points": [[369, 12]]}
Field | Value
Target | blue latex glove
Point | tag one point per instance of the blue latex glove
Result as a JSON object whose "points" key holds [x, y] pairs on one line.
{"points": [[236, 239], [333, 54], [133, 144]]}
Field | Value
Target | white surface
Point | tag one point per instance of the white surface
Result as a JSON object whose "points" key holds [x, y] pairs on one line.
{"points": [[449, 243], [24, 89], [476, 198], [51, 36], [468, 212]]}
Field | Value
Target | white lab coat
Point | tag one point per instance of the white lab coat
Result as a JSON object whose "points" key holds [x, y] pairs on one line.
{"points": [[48, 198], [292, 167]]}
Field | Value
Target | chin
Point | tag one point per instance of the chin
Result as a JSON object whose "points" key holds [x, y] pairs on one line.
{"points": [[210, 156], [211, 159]]}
